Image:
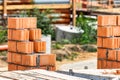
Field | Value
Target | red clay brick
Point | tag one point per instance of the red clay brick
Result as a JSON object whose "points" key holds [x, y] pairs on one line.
{"points": [[109, 65], [12, 67], [116, 31], [22, 23], [16, 58], [29, 60], [114, 65], [105, 31], [29, 22], [35, 34], [50, 68], [103, 64], [25, 47], [9, 57], [47, 59], [33, 22], [99, 64], [22, 68], [12, 46], [112, 55], [9, 34], [118, 64], [118, 55], [102, 53], [40, 46], [107, 20], [110, 43], [20, 35], [117, 72], [118, 20], [99, 42], [13, 23], [25, 22]]}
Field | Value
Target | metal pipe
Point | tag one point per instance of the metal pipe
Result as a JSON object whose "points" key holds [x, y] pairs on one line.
{"points": [[3, 47]]}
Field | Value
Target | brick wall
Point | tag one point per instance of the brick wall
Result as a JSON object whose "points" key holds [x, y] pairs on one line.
{"points": [[108, 42], [26, 50]]}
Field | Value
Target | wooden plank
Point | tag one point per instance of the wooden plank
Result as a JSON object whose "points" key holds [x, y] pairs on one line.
{"points": [[40, 6], [74, 12], [5, 8]]}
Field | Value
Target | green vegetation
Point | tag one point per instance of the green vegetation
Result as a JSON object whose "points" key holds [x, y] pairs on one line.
{"points": [[89, 48], [90, 34], [43, 20], [3, 35], [72, 56], [3, 53], [57, 46]]}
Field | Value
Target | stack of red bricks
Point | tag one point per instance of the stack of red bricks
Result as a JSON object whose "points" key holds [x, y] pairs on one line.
{"points": [[108, 41], [26, 50]]}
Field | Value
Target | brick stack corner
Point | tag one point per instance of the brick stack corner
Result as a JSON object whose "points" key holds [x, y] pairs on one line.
{"points": [[26, 50], [108, 42]]}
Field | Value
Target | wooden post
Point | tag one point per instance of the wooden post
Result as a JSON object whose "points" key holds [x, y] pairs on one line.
{"points": [[74, 12], [5, 8], [110, 4]]}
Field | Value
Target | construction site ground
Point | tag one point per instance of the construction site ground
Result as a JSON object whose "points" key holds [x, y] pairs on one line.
{"points": [[83, 60]]}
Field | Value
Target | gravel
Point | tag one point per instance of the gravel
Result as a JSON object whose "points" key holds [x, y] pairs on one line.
{"points": [[87, 64]]}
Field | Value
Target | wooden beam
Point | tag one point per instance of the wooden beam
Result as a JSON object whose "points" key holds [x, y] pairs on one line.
{"points": [[40, 6], [110, 4], [5, 8], [74, 12]]}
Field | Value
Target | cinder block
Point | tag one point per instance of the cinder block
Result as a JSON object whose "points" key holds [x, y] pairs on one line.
{"points": [[102, 53], [12, 46], [29, 60], [99, 42], [16, 58], [20, 35], [25, 47], [12, 67], [107, 20], [40, 46], [112, 55], [35, 34], [47, 59]]}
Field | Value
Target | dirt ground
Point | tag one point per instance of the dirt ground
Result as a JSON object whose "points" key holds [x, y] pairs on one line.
{"points": [[81, 57]]}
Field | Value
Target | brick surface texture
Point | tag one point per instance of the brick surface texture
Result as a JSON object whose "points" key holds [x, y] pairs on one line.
{"points": [[108, 42], [26, 50]]}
